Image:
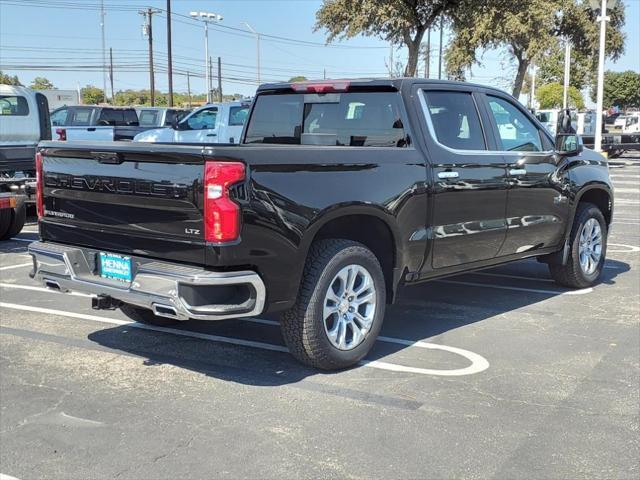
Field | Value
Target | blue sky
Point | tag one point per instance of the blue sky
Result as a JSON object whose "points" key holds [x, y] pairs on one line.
{"points": [[68, 35]]}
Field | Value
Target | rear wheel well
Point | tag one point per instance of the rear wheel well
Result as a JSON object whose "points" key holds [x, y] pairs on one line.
{"points": [[370, 231], [600, 198]]}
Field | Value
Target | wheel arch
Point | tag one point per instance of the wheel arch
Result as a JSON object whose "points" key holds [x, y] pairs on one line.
{"points": [[598, 194], [366, 224]]}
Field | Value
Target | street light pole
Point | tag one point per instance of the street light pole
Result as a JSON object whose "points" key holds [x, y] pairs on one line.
{"points": [[206, 17], [603, 18], [567, 70], [257, 47]]}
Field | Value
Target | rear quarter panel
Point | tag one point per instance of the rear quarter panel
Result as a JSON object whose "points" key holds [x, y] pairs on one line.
{"points": [[294, 190]]}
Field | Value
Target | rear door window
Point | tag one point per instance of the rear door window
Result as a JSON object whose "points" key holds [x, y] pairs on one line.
{"points": [[81, 117], [455, 120], [359, 119], [14, 106]]}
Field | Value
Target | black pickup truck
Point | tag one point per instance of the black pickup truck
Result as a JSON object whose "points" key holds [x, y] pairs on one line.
{"points": [[340, 193]]}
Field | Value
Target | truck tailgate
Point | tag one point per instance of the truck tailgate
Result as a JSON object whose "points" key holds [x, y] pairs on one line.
{"points": [[123, 199]]}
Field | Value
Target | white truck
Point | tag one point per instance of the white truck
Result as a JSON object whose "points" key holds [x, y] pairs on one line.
{"points": [[24, 121], [212, 123]]}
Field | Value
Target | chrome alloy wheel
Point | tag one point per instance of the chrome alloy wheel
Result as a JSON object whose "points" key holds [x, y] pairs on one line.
{"points": [[590, 248], [349, 307]]}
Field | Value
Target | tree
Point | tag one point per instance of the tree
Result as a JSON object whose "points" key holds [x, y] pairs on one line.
{"points": [[621, 89], [9, 80], [551, 67], [550, 95], [395, 21], [299, 78], [41, 83], [530, 30], [92, 95]]}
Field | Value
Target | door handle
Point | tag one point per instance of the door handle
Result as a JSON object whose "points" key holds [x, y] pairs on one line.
{"points": [[514, 172], [92, 129], [445, 175], [211, 135]]}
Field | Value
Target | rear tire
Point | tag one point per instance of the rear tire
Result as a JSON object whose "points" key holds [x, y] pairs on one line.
{"points": [[577, 274], [331, 334], [16, 223], [144, 315], [5, 222]]}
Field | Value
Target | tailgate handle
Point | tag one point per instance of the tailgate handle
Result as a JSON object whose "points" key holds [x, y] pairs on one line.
{"points": [[108, 157]]}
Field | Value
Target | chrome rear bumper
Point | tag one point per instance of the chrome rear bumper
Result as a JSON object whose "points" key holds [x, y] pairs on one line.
{"points": [[170, 290]]}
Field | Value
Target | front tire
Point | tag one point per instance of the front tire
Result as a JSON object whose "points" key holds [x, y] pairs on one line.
{"points": [[340, 306], [143, 315], [588, 248]]}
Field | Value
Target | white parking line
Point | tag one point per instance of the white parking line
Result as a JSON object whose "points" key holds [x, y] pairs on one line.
{"points": [[18, 239], [478, 363], [11, 267], [582, 291], [33, 288], [625, 248]]}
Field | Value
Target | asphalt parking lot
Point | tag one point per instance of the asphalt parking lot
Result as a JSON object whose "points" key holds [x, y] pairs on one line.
{"points": [[494, 374]]}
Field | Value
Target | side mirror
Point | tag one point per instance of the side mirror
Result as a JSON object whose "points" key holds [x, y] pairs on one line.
{"points": [[174, 123], [569, 144]]}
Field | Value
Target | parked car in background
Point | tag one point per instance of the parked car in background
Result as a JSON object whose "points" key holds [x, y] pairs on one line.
{"points": [[24, 121], [95, 123], [160, 116], [632, 124], [213, 123], [339, 194]]}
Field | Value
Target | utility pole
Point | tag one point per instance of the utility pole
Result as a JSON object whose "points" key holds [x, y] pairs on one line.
{"points": [[220, 79], [324, 73], [104, 53], [427, 55], [391, 60], [113, 97], [189, 88], [169, 55], [148, 29], [440, 49], [567, 69]]}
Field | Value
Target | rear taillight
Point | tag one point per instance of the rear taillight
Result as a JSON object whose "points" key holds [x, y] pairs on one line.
{"points": [[39, 186], [221, 213], [62, 134]]}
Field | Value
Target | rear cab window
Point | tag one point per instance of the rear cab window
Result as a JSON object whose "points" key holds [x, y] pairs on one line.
{"points": [[149, 118], [238, 115], [13, 106], [360, 119], [81, 117]]}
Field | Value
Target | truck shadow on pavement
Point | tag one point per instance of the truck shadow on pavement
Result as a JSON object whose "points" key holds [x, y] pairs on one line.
{"points": [[423, 312]]}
